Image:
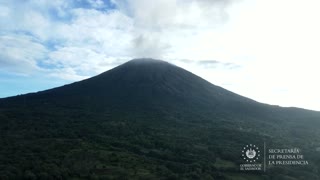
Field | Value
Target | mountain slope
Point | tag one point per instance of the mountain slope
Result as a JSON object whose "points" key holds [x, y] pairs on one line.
{"points": [[145, 82], [146, 119]]}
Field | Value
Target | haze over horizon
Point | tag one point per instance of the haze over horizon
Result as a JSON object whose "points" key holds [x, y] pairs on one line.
{"points": [[265, 50]]}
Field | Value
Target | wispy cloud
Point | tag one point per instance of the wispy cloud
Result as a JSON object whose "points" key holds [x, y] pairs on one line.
{"points": [[20, 54], [216, 64], [78, 37], [62, 38], [160, 25], [209, 64]]}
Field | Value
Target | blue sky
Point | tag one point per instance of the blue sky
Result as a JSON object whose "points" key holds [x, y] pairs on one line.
{"points": [[266, 50]]}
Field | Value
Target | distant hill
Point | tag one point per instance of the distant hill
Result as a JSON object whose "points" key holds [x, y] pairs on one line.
{"points": [[148, 119]]}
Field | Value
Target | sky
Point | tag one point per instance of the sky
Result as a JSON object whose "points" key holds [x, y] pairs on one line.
{"points": [[267, 50]]}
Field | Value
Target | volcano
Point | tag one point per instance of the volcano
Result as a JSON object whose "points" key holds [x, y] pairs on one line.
{"points": [[145, 83], [148, 119]]}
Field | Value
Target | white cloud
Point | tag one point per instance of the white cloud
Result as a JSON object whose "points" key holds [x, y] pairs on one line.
{"points": [[124, 33], [89, 46], [281, 40], [83, 61], [79, 47], [20, 53], [160, 26]]}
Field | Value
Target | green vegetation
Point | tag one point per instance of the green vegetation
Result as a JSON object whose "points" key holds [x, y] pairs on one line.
{"points": [[223, 164]]}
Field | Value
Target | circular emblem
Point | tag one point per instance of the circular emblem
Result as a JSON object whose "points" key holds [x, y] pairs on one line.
{"points": [[250, 153]]}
